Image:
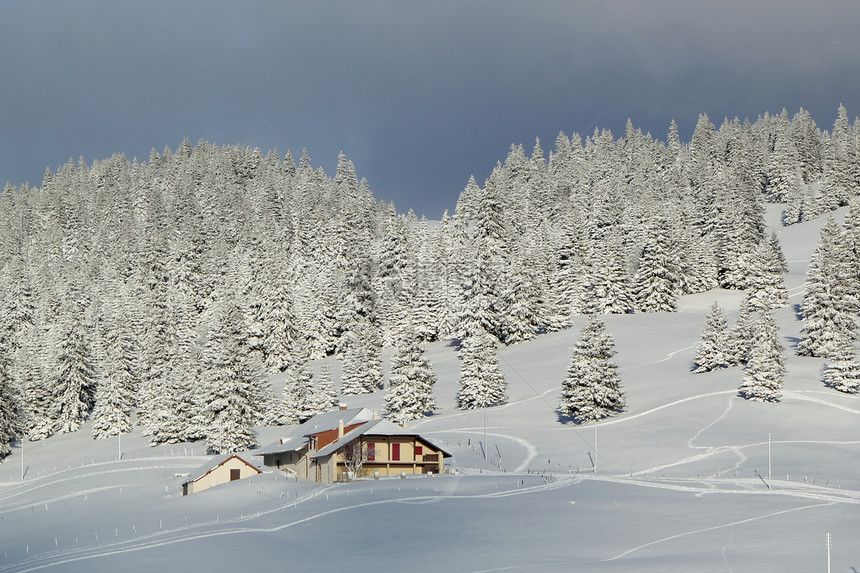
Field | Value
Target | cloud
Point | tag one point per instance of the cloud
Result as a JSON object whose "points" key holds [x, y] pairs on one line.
{"points": [[419, 95]]}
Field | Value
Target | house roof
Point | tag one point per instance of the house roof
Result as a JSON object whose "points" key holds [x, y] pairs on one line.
{"points": [[295, 438], [330, 420], [292, 444], [380, 427], [215, 463]]}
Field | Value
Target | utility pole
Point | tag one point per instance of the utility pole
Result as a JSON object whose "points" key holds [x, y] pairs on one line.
{"points": [[485, 436], [769, 473], [829, 540], [23, 439]]}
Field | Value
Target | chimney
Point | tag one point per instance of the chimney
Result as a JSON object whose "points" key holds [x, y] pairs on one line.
{"points": [[375, 416], [339, 429], [342, 406]]}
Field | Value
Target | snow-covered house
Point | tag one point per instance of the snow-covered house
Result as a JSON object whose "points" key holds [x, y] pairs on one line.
{"points": [[218, 470], [331, 446], [292, 452], [378, 447]]}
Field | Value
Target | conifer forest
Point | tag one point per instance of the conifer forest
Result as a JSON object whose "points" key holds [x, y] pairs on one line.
{"points": [[167, 293]]}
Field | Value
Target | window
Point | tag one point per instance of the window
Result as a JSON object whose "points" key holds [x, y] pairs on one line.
{"points": [[234, 474], [419, 450], [371, 452], [395, 452]]}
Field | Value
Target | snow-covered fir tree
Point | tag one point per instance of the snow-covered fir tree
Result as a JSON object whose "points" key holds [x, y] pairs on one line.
{"points": [[361, 361], [712, 351], [592, 390], [10, 411], [765, 288], [326, 391], [179, 413], [765, 369], [229, 383], [658, 280], [830, 300], [316, 259], [482, 383], [74, 379], [741, 335], [299, 400], [361, 342], [842, 371], [410, 383], [115, 393]]}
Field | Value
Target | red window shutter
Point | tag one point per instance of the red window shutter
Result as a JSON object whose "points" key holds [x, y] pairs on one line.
{"points": [[419, 450], [371, 452], [395, 452]]}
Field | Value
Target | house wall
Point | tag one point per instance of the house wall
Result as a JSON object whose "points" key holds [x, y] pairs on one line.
{"points": [[326, 469], [221, 474], [383, 463], [297, 462]]}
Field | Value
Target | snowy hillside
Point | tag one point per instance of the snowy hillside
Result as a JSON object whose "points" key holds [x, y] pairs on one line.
{"points": [[680, 483]]}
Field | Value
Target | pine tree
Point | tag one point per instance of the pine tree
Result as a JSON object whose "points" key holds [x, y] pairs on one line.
{"points": [[362, 364], [776, 249], [766, 366], [180, 412], [228, 385], [658, 280], [742, 335], [115, 392], [10, 422], [326, 388], [842, 372], [592, 389], [74, 378], [713, 351], [523, 309], [300, 403], [410, 383], [765, 283], [361, 361], [482, 383], [830, 300]]}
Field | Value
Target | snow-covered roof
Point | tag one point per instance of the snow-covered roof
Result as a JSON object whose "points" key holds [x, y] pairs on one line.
{"points": [[379, 427], [330, 420], [214, 463], [295, 438], [292, 444]]}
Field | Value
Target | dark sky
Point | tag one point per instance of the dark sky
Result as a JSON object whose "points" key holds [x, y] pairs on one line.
{"points": [[418, 94]]}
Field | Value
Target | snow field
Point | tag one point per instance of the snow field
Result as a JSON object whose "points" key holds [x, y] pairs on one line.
{"points": [[680, 484]]}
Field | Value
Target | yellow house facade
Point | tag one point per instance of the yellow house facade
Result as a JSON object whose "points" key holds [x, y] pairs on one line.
{"points": [[378, 448], [218, 471]]}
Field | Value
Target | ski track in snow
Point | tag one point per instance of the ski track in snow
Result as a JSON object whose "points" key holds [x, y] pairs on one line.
{"points": [[530, 448], [50, 480], [725, 548], [188, 533], [668, 357], [714, 528], [699, 486]]}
